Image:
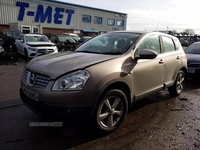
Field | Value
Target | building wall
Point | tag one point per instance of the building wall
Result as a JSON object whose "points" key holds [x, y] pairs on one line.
{"points": [[57, 15], [3, 27], [56, 31]]}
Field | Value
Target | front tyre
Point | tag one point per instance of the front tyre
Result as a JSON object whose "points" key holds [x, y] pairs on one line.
{"points": [[177, 88], [111, 110]]}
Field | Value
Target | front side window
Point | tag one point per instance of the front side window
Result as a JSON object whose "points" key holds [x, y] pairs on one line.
{"points": [[111, 22], [168, 44], [120, 22], [151, 43], [98, 20], [86, 18]]}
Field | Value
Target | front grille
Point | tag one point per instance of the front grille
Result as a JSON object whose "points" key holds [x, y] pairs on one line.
{"points": [[194, 65], [41, 45], [24, 75], [41, 81], [45, 51]]}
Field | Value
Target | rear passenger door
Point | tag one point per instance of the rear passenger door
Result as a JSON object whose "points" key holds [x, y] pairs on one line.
{"points": [[172, 58], [148, 74]]}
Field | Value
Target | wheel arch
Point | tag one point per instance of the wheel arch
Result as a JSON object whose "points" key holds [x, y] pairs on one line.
{"points": [[120, 85], [184, 69]]}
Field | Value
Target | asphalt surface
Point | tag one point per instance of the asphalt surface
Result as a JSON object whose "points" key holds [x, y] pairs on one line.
{"points": [[155, 123]]}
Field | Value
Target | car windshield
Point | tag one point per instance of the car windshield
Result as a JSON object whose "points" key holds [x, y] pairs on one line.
{"points": [[193, 49], [14, 34], [110, 43], [64, 38], [36, 38], [75, 37]]}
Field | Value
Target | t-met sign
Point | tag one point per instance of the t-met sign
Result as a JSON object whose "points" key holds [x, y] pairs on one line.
{"points": [[42, 15]]}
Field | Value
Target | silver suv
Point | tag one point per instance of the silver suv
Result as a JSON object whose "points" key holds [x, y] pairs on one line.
{"points": [[102, 78]]}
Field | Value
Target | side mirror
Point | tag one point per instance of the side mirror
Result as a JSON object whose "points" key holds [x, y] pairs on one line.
{"points": [[22, 41], [147, 54]]}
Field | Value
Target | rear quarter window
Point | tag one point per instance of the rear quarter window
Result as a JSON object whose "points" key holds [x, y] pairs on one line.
{"points": [[177, 43], [168, 44]]}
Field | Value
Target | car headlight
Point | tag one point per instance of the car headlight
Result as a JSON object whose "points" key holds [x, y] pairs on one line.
{"points": [[72, 81], [32, 49]]}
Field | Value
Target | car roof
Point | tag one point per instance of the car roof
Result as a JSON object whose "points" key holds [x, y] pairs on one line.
{"points": [[70, 34], [33, 34], [196, 43], [140, 32], [62, 35]]}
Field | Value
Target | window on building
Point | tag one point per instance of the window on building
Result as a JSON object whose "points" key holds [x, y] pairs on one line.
{"points": [[120, 22], [111, 22], [86, 18], [98, 20]]}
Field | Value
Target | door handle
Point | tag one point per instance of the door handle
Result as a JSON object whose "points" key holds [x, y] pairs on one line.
{"points": [[161, 61], [178, 57]]}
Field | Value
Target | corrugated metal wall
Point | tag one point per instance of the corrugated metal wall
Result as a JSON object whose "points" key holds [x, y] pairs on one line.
{"points": [[9, 13]]}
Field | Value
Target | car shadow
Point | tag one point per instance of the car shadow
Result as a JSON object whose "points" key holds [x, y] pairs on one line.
{"points": [[154, 98], [77, 132], [192, 83], [72, 133]]}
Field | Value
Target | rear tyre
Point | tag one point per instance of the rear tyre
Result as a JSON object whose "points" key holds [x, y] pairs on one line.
{"points": [[178, 86], [111, 111]]}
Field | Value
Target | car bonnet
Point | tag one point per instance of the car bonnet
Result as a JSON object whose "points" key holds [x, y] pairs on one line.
{"points": [[193, 58], [62, 63]]}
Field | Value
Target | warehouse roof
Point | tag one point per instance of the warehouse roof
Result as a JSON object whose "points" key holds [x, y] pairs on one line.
{"points": [[66, 3]]}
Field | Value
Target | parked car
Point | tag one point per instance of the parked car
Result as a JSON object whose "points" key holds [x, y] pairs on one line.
{"points": [[84, 39], [184, 42], [8, 55], [1, 49], [193, 59], [33, 45], [102, 78], [8, 39], [73, 35], [63, 42]]}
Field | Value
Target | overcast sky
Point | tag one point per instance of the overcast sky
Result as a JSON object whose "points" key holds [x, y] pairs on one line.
{"points": [[152, 14]]}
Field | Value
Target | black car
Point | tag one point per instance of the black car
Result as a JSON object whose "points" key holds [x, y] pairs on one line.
{"points": [[8, 44], [8, 39], [193, 59], [1, 49], [63, 42], [84, 39], [184, 42]]}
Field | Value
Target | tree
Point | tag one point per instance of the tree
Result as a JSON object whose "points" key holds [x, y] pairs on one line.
{"points": [[189, 31]]}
